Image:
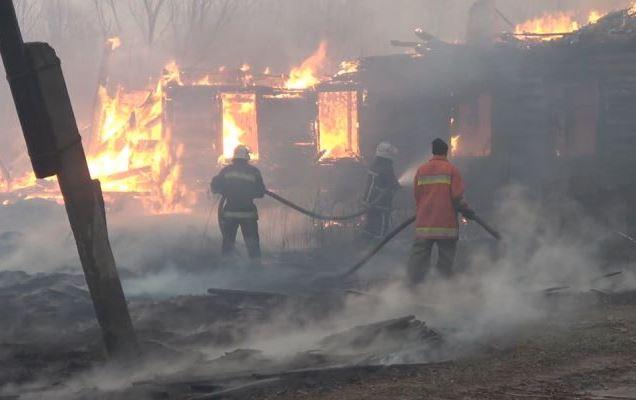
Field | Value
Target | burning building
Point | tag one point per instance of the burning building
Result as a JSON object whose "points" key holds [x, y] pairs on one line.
{"points": [[554, 93], [337, 125], [547, 105], [160, 145], [289, 122]]}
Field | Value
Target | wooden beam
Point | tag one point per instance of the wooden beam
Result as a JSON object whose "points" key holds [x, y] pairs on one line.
{"points": [[50, 130]]}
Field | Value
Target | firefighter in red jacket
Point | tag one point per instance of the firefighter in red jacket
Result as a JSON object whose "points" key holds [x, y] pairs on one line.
{"points": [[439, 197]]}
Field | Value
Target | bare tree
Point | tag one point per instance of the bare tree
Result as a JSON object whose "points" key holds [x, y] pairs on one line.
{"points": [[58, 19], [28, 13], [197, 24], [146, 14], [108, 17]]}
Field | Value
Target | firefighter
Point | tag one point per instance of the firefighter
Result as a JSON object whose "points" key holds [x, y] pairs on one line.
{"points": [[380, 190], [239, 183], [439, 197]]}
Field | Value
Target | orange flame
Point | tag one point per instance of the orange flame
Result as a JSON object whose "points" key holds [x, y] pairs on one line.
{"points": [[239, 124], [454, 144], [114, 42], [171, 74], [548, 24], [305, 76], [134, 153], [594, 16], [11, 184], [348, 67], [207, 80], [338, 124], [557, 24]]}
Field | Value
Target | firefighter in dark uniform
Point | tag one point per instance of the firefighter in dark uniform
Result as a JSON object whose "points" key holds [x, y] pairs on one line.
{"points": [[240, 183], [381, 187]]}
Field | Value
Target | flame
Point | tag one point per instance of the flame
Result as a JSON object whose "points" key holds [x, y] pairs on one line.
{"points": [[207, 80], [10, 184], [239, 124], [549, 23], [557, 24], [454, 144], [134, 153], [305, 76], [114, 42], [594, 16], [171, 74], [348, 67], [338, 124]]}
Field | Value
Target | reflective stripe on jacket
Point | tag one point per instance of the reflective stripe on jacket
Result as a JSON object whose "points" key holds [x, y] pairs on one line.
{"points": [[439, 190], [240, 183]]}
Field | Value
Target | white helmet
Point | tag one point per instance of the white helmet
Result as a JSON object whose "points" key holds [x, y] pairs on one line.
{"points": [[386, 150], [241, 152]]}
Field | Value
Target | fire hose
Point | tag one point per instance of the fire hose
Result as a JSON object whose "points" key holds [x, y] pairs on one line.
{"points": [[399, 229], [376, 249], [302, 210], [320, 216]]}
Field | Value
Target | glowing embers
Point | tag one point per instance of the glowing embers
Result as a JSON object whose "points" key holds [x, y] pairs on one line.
{"points": [[239, 124], [337, 124], [471, 130]]}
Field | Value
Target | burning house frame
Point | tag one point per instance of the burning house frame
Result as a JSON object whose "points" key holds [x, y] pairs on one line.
{"points": [[558, 102], [284, 128], [238, 123], [554, 115], [337, 122]]}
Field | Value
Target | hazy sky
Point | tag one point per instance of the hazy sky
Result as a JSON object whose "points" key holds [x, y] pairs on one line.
{"points": [[264, 33]]}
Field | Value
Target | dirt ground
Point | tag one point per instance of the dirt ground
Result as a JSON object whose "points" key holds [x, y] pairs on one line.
{"points": [[587, 354], [577, 341], [593, 356]]}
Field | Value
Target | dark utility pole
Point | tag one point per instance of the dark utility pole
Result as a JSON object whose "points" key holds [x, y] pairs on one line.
{"points": [[55, 147]]}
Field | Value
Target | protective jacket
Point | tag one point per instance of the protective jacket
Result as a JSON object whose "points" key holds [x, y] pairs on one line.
{"points": [[439, 196], [240, 183], [381, 184]]}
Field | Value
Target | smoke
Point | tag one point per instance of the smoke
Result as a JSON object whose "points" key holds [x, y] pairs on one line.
{"points": [[496, 292], [407, 177], [97, 380], [281, 34], [499, 288], [36, 224]]}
